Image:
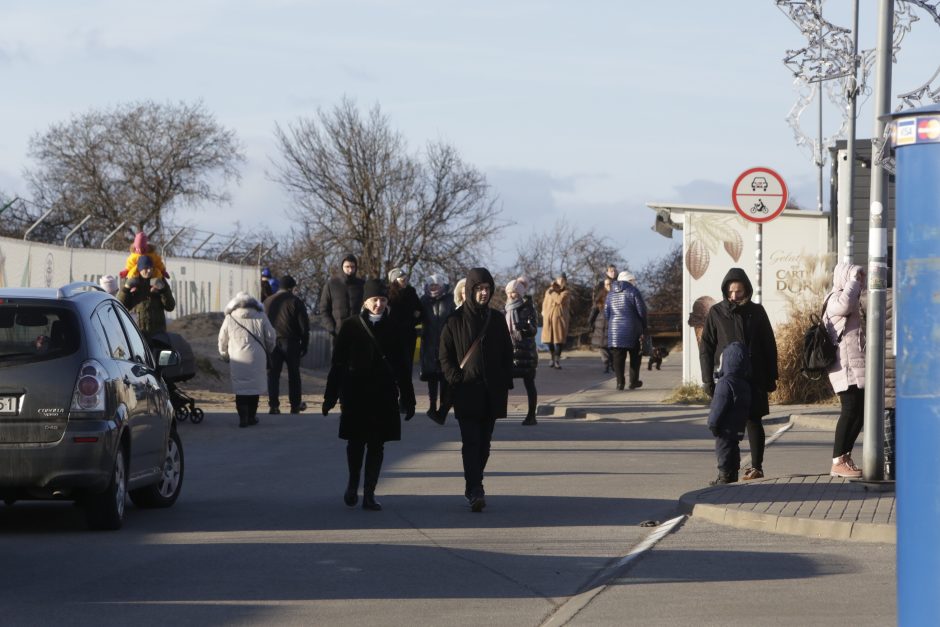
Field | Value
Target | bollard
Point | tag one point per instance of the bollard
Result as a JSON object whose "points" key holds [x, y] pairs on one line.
{"points": [[916, 138]]}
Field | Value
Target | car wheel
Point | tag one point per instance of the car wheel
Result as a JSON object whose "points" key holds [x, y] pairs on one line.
{"points": [[165, 491], [106, 510]]}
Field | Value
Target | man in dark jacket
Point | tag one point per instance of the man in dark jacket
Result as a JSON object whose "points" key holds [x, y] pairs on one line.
{"points": [[476, 358], [342, 296], [147, 299], [288, 315], [737, 318]]}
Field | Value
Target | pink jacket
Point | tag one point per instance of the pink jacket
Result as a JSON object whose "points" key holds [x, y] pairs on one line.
{"points": [[844, 313]]}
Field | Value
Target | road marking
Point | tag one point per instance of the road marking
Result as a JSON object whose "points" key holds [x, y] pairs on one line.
{"points": [[570, 608]]}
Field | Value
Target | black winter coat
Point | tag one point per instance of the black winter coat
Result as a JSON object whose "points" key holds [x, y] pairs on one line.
{"points": [[288, 316], [341, 298], [366, 385], [748, 323], [522, 329], [480, 390], [403, 304], [436, 312]]}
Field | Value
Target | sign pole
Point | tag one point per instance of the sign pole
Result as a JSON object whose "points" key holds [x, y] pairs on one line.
{"points": [[759, 254]]}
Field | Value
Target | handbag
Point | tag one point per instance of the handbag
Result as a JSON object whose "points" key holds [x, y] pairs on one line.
{"points": [[476, 341], [267, 355]]}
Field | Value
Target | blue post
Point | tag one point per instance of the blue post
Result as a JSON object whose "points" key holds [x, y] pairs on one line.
{"points": [[916, 137]]}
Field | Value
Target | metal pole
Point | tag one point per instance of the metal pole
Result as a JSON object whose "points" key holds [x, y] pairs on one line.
{"points": [[852, 97], [264, 253], [873, 448], [35, 224], [9, 204], [225, 250], [198, 248], [819, 152], [170, 241], [65, 242], [758, 261], [248, 254], [112, 233]]}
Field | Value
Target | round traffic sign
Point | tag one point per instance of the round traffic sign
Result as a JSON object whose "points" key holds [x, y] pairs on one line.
{"points": [[759, 194]]}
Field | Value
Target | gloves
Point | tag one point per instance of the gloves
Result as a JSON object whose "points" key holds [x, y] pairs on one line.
{"points": [[409, 412], [709, 387], [327, 406]]}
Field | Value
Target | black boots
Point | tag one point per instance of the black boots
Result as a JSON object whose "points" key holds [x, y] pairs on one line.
{"points": [[725, 477], [530, 420], [351, 496], [369, 503]]}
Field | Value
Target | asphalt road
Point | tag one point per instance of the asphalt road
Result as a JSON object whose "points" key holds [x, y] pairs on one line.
{"points": [[260, 534]]}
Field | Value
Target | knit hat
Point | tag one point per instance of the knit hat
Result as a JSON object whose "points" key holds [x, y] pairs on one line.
{"points": [[109, 283], [396, 273], [373, 288], [140, 243], [514, 286], [288, 282], [627, 276], [144, 262], [266, 273]]}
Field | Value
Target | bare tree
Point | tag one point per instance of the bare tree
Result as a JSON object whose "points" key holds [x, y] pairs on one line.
{"points": [[357, 189], [134, 164], [661, 282]]}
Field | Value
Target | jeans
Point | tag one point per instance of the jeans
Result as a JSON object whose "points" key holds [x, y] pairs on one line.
{"points": [[476, 435], [287, 352], [728, 452]]}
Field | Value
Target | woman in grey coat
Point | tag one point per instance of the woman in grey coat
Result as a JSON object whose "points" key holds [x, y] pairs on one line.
{"points": [[843, 320]]}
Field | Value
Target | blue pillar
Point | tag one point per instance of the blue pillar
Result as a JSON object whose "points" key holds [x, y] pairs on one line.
{"points": [[916, 138]]}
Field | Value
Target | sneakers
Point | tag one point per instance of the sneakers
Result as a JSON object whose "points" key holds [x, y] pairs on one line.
{"points": [[844, 467], [635, 385], [298, 408], [274, 411], [436, 416], [725, 478], [529, 421], [753, 473], [477, 503]]}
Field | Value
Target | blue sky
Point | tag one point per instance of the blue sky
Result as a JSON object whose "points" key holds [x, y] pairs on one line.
{"points": [[577, 110]]}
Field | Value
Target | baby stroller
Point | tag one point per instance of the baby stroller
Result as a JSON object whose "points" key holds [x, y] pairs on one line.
{"points": [[183, 404]]}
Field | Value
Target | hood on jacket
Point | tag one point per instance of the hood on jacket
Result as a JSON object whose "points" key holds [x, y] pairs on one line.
{"points": [[459, 292], [478, 276], [734, 360], [242, 300], [737, 274], [842, 274]]}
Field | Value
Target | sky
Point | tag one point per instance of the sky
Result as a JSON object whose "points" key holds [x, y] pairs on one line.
{"points": [[577, 111]]}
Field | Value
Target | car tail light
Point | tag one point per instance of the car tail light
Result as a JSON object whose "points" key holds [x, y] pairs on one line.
{"points": [[89, 388]]}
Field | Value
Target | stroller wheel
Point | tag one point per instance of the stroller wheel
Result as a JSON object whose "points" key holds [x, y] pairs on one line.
{"points": [[180, 414], [197, 415]]}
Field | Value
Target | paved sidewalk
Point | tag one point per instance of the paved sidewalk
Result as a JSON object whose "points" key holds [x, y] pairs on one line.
{"points": [[791, 499]]}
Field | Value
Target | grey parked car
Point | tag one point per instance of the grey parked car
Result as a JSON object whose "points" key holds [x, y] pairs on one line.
{"points": [[84, 413]]}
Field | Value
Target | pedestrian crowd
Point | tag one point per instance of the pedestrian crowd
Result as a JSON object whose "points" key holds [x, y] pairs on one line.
{"points": [[471, 354]]}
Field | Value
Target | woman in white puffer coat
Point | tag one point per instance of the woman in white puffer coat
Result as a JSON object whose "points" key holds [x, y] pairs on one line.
{"points": [[843, 319], [245, 341]]}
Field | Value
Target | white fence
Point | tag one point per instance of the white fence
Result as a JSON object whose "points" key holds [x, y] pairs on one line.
{"points": [[199, 285]]}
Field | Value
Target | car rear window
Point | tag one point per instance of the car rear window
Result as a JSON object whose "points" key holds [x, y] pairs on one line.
{"points": [[36, 332]]}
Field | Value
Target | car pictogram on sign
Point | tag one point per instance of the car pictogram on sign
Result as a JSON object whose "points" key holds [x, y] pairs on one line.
{"points": [[759, 183]]}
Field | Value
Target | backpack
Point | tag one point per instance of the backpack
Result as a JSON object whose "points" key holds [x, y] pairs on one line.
{"points": [[818, 350]]}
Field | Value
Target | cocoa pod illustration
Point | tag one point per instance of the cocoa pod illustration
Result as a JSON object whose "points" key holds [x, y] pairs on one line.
{"points": [[696, 259], [734, 245]]}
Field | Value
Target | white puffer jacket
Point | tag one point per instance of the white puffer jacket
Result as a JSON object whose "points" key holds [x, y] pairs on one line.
{"points": [[246, 356], [844, 313]]}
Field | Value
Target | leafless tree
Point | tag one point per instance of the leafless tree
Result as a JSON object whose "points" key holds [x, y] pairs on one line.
{"points": [[660, 282], [135, 164], [357, 189]]}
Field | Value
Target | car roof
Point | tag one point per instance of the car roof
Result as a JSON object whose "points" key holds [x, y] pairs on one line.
{"points": [[78, 289]]}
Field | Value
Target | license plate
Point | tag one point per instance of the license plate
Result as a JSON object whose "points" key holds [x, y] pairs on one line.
{"points": [[8, 405]]}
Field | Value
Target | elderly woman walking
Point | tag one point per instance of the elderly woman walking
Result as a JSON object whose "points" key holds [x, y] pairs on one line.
{"points": [[523, 324], [438, 304], [368, 375], [556, 315], [246, 338], [843, 319]]}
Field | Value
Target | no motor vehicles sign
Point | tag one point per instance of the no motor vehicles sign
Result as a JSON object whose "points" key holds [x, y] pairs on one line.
{"points": [[759, 195]]}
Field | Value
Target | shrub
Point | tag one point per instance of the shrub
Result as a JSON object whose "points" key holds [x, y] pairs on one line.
{"points": [[688, 394]]}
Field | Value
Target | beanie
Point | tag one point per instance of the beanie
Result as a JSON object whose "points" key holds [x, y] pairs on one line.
{"points": [[627, 276], [144, 262], [140, 243], [514, 286], [288, 282], [266, 273], [372, 288], [396, 273]]}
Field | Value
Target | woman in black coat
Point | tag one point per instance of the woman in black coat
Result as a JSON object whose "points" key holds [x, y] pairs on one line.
{"points": [[480, 379], [523, 324], [438, 304], [368, 374]]}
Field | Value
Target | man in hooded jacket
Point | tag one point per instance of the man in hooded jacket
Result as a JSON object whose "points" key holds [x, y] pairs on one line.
{"points": [[738, 318], [341, 296], [476, 359]]}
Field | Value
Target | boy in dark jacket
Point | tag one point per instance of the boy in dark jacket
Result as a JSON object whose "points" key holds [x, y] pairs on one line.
{"points": [[729, 410]]}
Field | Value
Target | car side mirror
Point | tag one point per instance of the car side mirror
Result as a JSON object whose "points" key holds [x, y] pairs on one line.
{"points": [[168, 358]]}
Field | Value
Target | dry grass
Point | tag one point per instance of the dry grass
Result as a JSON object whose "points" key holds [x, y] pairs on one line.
{"points": [[792, 387], [688, 394]]}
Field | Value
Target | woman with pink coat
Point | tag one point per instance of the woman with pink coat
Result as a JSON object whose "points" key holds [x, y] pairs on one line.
{"points": [[844, 322]]}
